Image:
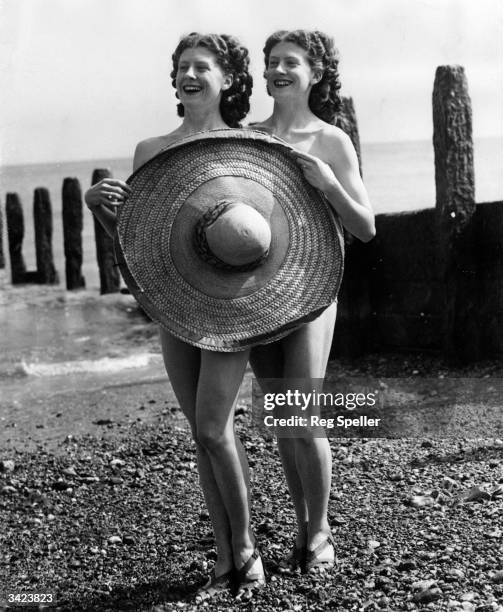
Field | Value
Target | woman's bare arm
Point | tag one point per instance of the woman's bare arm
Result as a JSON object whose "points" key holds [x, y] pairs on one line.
{"points": [[341, 183], [112, 192]]}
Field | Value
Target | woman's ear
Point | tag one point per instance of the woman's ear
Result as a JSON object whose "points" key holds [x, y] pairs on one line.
{"points": [[227, 82], [316, 78]]}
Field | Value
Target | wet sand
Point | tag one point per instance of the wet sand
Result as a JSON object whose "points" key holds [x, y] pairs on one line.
{"points": [[78, 363], [75, 363]]}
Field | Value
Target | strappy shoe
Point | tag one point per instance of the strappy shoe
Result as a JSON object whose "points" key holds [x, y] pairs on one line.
{"points": [[215, 585], [247, 583], [313, 562], [294, 561]]}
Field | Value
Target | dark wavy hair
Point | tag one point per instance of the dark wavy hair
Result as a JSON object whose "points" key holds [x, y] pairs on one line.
{"points": [[324, 99], [233, 58]]}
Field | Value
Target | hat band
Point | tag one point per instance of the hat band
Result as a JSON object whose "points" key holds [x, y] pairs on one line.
{"points": [[203, 249]]}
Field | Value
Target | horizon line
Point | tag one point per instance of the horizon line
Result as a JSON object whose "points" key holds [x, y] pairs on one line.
{"points": [[130, 157]]}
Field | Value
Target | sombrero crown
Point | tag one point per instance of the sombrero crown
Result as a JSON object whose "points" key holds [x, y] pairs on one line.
{"points": [[225, 244]]}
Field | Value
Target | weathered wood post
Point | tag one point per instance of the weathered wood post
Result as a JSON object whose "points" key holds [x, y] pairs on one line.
{"points": [[352, 335], [42, 218], [346, 120], [72, 233], [455, 205], [109, 272], [2, 258], [15, 234]]}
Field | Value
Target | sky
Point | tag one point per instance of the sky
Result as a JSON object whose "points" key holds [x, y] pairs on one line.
{"points": [[88, 79]]}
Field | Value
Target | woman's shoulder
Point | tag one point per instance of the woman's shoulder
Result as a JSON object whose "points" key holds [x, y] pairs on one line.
{"points": [[336, 144], [150, 147], [157, 143], [333, 135]]}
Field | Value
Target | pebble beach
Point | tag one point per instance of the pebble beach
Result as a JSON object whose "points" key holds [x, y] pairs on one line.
{"points": [[99, 493]]}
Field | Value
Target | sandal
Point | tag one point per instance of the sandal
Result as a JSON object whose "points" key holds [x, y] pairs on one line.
{"points": [[215, 585], [294, 561], [247, 583], [312, 560], [297, 557]]}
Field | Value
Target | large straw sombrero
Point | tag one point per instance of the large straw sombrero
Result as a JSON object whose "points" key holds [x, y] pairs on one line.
{"points": [[178, 233]]}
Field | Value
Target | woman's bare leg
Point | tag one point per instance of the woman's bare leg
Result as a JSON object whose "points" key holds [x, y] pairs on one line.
{"points": [[306, 356], [183, 364], [267, 361], [220, 377]]}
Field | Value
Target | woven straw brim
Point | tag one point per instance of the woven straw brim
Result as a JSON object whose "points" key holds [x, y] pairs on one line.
{"points": [[202, 305]]}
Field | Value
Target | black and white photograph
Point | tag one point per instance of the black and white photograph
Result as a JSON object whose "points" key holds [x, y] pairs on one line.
{"points": [[251, 305]]}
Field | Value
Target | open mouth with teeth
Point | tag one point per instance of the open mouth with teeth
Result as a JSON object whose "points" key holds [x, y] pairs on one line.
{"points": [[191, 89], [281, 83]]}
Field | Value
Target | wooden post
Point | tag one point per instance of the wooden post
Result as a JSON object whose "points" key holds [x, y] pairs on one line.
{"points": [[109, 272], [42, 217], [2, 258], [455, 205], [72, 233], [346, 120], [352, 335], [15, 234]]}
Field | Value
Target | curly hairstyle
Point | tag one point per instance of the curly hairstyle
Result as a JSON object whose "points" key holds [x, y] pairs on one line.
{"points": [[324, 100], [233, 59]]}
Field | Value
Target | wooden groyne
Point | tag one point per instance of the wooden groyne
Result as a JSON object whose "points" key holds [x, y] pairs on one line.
{"points": [[72, 233], [109, 271], [432, 279], [15, 234]]}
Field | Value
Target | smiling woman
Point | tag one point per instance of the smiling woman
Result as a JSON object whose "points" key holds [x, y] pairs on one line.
{"points": [[301, 72], [196, 78], [212, 82]]}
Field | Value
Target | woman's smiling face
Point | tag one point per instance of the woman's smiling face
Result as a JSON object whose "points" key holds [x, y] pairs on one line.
{"points": [[199, 79], [288, 70]]}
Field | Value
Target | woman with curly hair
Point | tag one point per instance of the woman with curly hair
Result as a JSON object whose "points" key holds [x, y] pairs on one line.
{"points": [[212, 82], [301, 72]]}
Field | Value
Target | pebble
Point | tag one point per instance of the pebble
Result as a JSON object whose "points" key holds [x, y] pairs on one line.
{"points": [[423, 585], [475, 494], [457, 573], [115, 540], [421, 501], [117, 463], [61, 485], [427, 596], [448, 483], [7, 465], [395, 477], [406, 565], [497, 577], [468, 596]]}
